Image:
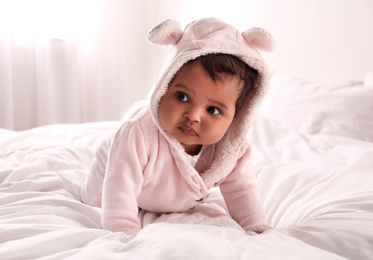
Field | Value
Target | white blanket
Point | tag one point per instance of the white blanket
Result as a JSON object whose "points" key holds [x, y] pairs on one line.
{"points": [[317, 190]]}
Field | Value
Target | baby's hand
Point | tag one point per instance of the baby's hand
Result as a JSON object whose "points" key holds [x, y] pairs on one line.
{"points": [[253, 232], [131, 231]]}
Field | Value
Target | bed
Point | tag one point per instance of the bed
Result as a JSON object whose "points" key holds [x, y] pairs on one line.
{"points": [[312, 156]]}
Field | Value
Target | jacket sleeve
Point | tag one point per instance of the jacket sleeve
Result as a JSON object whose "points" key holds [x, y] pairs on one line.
{"points": [[242, 197], [123, 180]]}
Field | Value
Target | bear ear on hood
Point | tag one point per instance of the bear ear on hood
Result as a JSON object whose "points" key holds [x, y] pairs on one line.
{"points": [[259, 38], [167, 32]]}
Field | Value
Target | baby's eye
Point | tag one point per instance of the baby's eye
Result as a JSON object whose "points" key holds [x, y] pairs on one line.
{"points": [[182, 96], [213, 110]]}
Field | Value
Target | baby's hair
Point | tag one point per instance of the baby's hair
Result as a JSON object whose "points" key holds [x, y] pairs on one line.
{"points": [[231, 65]]}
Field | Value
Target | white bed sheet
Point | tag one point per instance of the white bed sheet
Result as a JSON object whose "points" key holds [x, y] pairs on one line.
{"points": [[317, 191], [313, 166]]}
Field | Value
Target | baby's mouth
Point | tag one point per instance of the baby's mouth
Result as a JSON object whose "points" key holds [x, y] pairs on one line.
{"points": [[188, 130]]}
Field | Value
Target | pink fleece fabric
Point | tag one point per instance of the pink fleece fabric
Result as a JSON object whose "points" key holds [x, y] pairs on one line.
{"points": [[143, 170], [143, 166]]}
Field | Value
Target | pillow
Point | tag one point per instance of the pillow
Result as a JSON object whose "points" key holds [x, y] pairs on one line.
{"points": [[343, 109]]}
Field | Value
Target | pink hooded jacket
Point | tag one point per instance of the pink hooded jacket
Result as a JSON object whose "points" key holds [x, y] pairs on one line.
{"points": [[142, 166]]}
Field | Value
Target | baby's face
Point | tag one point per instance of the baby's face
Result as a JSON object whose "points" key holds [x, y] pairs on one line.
{"points": [[197, 110]]}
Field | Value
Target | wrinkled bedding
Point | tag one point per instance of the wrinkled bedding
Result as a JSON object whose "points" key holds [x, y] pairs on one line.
{"points": [[317, 190]]}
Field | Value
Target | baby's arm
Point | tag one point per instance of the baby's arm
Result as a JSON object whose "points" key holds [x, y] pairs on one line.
{"points": [[123, 181], [242, 196]]}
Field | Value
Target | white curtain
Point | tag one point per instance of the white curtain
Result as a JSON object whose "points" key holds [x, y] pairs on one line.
{"points": [[74, 61]]}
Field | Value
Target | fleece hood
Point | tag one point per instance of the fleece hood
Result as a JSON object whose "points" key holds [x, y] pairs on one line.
{"points": [[209, 36]]}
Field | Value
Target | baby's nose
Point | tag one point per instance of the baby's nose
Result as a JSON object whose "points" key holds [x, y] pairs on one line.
{"points": [[193, 115]]}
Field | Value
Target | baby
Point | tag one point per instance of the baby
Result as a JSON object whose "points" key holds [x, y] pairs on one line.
{"points": [[192, 135]]}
